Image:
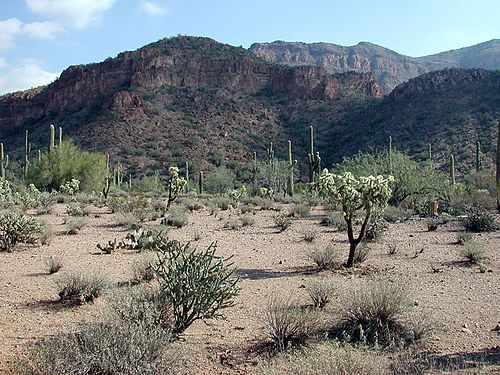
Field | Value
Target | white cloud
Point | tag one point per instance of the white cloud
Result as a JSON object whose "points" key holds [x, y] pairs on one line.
{"points": [[25, 77], [153, 9], [3, 62], [9, 28], [71, 13], [41, 30]]}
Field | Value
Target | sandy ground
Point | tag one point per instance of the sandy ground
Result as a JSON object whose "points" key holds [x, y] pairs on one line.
{"points": [[465, 300]]}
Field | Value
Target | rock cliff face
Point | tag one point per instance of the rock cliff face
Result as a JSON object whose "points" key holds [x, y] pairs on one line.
{"points": [[389, 67], [180, 62]]}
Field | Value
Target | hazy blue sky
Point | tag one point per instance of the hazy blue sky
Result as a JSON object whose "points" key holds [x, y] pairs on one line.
{"points": [[40, 38]]}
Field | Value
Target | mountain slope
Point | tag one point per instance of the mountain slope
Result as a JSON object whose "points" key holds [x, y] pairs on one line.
{"points": [[389, 67]]}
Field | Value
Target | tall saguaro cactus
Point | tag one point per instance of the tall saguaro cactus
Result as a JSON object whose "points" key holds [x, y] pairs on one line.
{"points": [[59, 143], [389, 152], [314, 159], [291, 164], [479, 161], [452, 170], [187, 177], [200, 183], [429, 154], [498, 168], [27, 150], [4, 162], [255, 171], [52, 136]]}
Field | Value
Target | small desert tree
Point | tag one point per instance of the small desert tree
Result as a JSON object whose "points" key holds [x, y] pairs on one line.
{"points": [[176, 184], [353, 195]]}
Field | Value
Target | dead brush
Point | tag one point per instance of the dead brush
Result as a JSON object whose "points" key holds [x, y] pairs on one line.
{"points": [[54, 263], [309, 236], [474, 253], [321, 291]]}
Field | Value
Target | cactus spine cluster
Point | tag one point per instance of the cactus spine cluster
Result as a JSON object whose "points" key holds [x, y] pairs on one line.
{"points": [[4, 162], [314, 159], [291, 164], [479, 160], [452, 169]]}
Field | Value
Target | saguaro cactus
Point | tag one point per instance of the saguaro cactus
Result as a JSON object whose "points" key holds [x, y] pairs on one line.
{"points": [[291, 164], [479, 161], [4, 162], [255, 171], [452, 169], [200, 183], [429, 155], [27, 150], [314, 159], [59, 143], [51, 138], [389, 152], [187, 177], [498, 168]]}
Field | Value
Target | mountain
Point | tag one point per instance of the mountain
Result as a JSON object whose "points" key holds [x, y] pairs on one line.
{"points": [[194, 99], [390, 68], [178, 99]]}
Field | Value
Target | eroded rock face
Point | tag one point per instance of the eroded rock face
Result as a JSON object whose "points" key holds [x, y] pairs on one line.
{"points": [[179, 62]]}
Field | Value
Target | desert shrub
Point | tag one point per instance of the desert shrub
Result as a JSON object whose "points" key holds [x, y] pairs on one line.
{"points": [[334, 219], [324, 257], [300, 210], [376, 227], [247, 221], [473, 252], [81, 287], [75, 209], [197, 284], [148, 184], [432, 225], [233, 223], [246, 208], [66, 163], [128, 221], [177, 217], [414, 182], [139, 207], [223, 203], [379, 315], [130, 341], [393, 248], [321, 291], [193, 204], [361, 254], [464, 238], [329, 359], [16, 228], [142, 269], [286, 323], [45, 203], [480, 221], [71, 187], [45, 237], [220, 181], [54, 263], [282, 221], [393, 214], [309, 236], [75, 225]]}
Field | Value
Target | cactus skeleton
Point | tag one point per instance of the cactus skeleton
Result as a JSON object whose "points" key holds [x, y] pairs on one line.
{"points": [[292, 164]]}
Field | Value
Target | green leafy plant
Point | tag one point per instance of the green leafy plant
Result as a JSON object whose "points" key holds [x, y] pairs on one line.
{"points": [[353, 195], [197, 284]]}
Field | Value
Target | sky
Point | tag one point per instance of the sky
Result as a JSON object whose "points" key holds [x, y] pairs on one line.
{"points": [[41, 38]]}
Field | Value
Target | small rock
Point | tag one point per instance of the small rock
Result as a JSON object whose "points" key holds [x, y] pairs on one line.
{"points": [[497, 328], [466, 330], [415, 303]]}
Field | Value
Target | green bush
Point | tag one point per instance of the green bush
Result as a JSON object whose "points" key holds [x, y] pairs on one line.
{"points": [[220, 181], [17, 228], [197, 284], [66, 163], [414, 182]]}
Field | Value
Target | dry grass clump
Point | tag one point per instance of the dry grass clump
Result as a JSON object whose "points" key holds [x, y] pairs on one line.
{"points": [[75, 224], [321, 291], [247, 221], [300, 210], [131, 341], [309, 236], [378, 315], [474, 252], [233, 223], [81, 287], [334, 219], [287, 324], [480, 221], [329, 359], [361, 254], [282, 221], [142, 269], [177, 217], [54, 263], [324, 257]]}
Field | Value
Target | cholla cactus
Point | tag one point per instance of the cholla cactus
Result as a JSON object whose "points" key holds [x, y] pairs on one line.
{"points": [[267, 193], [6, 195], [176, 184], [354, 194], [236, 194], [70, 187]]}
